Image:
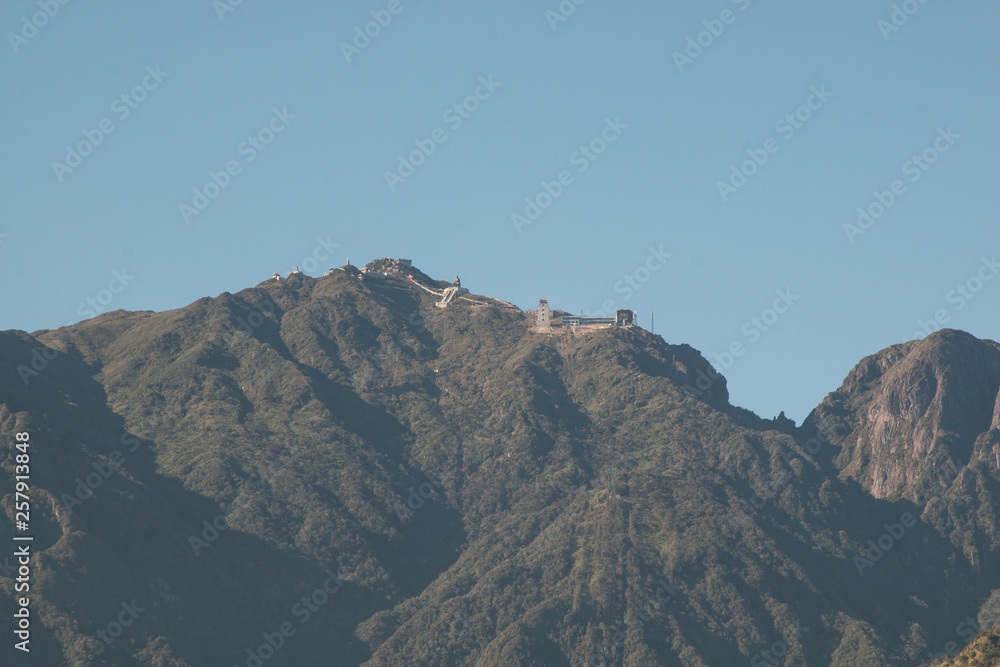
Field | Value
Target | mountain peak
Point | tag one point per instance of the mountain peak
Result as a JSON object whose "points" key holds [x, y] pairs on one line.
{"points": [[922, 403], [401, 268]]}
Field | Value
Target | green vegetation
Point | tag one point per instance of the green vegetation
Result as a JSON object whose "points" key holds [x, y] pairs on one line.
{"points": [[489, 496]]}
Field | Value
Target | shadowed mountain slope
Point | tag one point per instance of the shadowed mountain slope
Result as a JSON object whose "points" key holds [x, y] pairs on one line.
{"points": [[397, 483]]}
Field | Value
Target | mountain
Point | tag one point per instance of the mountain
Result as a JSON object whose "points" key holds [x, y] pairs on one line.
{"points": [[925, 402], [336, 471], [923, 424]]}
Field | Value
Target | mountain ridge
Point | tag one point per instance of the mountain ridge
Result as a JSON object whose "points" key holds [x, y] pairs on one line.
{"points": [[485, 494]]}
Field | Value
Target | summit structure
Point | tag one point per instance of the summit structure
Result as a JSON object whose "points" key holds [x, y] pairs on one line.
{"points": [[546, 320]]}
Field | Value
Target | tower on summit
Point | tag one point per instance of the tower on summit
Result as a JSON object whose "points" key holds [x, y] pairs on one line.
{"points": [[543, 317]]}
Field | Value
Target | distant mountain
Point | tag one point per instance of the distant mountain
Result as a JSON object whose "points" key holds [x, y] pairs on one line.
{"points": [[914, 407], [336, 471], [922, 423]]}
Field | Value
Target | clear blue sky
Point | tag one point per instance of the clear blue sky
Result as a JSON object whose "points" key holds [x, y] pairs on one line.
{"points": [[885, 96]]}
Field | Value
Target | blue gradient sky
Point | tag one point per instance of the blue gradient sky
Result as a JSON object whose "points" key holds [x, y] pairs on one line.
{"points": [[323, 176]]}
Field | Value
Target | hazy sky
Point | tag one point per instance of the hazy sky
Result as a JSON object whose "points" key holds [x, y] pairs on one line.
{"points": [[710, 152]]}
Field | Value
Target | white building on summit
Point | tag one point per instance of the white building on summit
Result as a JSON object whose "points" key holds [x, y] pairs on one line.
{"points": [[547, 320]]}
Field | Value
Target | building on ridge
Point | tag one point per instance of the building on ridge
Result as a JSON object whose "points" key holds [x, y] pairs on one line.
{"points": [[543, 317], [548, 320]]}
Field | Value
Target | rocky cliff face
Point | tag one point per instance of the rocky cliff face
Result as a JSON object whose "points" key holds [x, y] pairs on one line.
{"points": [[915, 413], [918, 423]]}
